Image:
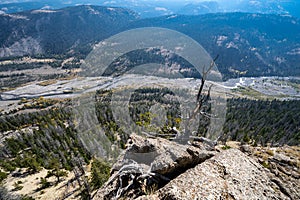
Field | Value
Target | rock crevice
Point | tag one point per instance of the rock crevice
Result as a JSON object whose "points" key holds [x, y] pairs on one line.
{"points": [[156, 168]]}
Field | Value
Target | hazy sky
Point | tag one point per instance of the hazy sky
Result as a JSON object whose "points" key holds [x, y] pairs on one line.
{"points": [[12, 1]]}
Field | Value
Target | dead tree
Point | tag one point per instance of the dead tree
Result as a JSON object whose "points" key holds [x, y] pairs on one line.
{"points": [[200, 97], [200, 100]]}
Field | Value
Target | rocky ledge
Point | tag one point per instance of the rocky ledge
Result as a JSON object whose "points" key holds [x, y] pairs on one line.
{"points": [[156, 168]]}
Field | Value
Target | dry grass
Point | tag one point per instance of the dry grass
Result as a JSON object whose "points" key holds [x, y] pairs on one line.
{"points": [[31, 183], [47, 82]]}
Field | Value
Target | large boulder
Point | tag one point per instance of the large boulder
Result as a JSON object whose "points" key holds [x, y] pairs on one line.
{"points": [[148, 164], [228, 175], [156, 168]]}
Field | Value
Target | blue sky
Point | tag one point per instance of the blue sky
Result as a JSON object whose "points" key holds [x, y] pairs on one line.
{"points": [[14, 1]]}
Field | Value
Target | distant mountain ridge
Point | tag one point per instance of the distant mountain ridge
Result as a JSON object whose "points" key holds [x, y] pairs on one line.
{"points": [[256, 44], [147, 8]]}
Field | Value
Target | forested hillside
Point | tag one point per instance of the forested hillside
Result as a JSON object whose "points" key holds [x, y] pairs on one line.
{"points": [[61, 31], [256, 44], [249, 121]]}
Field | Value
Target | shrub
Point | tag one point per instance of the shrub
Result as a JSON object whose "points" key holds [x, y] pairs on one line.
{"points": [[225, 147], [265, 164], [3, 176], [100, 173], [44, 183], [17, 186]]}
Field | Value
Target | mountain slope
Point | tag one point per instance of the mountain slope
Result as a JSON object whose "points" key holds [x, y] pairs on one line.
{"points": [[58, 31], [257, 44], [248, 44]]}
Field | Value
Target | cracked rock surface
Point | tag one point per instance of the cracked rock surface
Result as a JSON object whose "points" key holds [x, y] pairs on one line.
{"points": [[156, 168], [228, 175]]}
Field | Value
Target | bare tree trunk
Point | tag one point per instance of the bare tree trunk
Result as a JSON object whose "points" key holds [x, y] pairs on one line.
{"points": [[201, 99]]}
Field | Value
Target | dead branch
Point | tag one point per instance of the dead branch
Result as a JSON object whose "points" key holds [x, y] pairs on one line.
{"points": [[200, 98]]}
